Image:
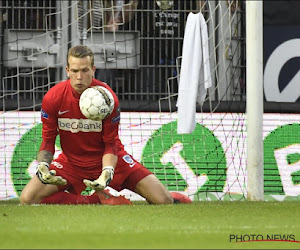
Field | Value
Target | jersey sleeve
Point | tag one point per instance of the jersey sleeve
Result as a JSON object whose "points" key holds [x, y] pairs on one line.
{"points": [[110, 134], [49, 120]]}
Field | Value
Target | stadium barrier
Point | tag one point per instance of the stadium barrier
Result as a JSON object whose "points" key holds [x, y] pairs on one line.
{"points": [[201, 165]]}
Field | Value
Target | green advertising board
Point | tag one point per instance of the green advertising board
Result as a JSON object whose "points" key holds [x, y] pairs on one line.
{"points": [[197, 163]]}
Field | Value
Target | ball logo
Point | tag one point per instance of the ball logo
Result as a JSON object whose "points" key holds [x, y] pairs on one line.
{"points": [[104, 111]]}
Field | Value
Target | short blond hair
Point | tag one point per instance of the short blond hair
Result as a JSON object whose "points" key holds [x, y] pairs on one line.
{"points": [[81, 51]]}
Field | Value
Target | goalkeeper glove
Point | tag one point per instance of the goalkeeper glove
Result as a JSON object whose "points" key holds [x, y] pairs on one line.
{"points": [[48, 177], [104, 179]]}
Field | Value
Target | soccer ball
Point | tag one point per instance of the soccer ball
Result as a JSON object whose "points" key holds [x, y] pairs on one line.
{"points": [[96, 103]]}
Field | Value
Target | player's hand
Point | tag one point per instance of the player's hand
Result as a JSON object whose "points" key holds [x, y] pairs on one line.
{"points": [[104, 179], [48, 177]]}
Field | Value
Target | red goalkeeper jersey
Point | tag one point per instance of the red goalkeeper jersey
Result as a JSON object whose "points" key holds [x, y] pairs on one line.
{"points": [[82, 140]]}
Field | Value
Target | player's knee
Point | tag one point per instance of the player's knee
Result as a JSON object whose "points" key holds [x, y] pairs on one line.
{"points": [[27, 199], [163, 199], [167, 200], [24, 199], [153, 190]]}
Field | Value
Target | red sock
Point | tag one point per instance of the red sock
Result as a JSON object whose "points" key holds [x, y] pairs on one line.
{"points": [[69, 199]]}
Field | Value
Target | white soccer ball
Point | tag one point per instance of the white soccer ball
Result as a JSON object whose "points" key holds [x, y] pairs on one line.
{"points": [[96, 103]]}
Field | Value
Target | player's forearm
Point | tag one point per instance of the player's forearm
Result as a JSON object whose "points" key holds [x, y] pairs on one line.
{"points": [[109, 160], [45, 156]]}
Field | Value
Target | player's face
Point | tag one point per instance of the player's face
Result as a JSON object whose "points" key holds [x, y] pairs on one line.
{"points": [[80, 73]]}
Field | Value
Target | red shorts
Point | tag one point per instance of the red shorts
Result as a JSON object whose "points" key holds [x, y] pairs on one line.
{"points": [[128, 173]]}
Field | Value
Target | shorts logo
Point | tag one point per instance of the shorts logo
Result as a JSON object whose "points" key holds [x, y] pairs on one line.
{"points": [[128, 159], [132, 165], [57, 165]]}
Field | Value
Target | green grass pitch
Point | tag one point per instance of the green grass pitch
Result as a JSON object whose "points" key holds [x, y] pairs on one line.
{"points": [[201, 225]]}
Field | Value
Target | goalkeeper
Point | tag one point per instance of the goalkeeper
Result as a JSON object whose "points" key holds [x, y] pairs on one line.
{"points": [[92, 153]]}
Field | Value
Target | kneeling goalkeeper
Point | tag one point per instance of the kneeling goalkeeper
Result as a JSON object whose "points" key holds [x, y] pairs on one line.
{"points": [[92, 153]]}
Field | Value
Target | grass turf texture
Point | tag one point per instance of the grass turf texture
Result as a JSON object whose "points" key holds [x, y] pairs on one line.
{"points": [[142, 226]]}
